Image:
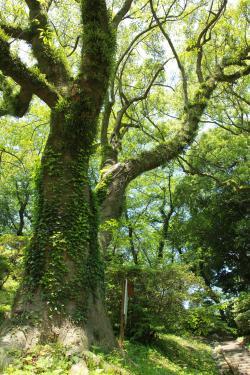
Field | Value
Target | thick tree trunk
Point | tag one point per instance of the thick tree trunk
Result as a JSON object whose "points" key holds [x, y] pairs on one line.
{"points": [[61, 296]]}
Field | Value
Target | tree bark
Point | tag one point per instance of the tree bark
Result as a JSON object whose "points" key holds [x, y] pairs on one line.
{"points": [[61, 297]]}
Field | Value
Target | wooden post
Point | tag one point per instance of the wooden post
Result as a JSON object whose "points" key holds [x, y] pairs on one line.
{"points": [[127, 292], [124, 312]]}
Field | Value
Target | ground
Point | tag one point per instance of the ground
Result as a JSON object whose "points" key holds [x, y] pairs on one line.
{"points": [[170, 355]]}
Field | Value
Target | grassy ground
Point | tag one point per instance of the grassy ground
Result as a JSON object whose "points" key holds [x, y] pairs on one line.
{"points": [[170, 355]]}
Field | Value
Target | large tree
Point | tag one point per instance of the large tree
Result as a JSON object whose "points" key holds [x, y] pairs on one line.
{"points": [[61, 294]]}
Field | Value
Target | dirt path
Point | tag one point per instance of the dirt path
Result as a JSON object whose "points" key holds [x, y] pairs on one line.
{"points": [[232, 358]]}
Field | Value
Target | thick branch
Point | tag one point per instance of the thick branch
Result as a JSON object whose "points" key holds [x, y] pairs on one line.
{"points": [[29, 79], [17, 32], [122, 13], [222, 77], [115, 180], [17, 105], [98, 49], [13, 104], [169, 150], [51, 60], [109, 154]]}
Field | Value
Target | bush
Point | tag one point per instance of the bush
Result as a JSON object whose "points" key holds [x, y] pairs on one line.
{"points": [[11, 256], [206, 320], [11, 268], [241, 313], [4, 270], [158, 301]]}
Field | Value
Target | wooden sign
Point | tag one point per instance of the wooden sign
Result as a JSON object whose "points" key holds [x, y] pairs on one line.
{"points": [[127, 292]]}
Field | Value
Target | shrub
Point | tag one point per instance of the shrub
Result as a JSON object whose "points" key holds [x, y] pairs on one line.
{"points": [[4, 270], [206, 320], [158, 301], [241, 313]]}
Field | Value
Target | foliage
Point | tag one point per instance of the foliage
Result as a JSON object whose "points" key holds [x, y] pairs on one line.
{"points": [[20, 148], [241, 312], [210, 227], [205, 320], [12, 251], [11, 259], [4, 269], [41, 360]]}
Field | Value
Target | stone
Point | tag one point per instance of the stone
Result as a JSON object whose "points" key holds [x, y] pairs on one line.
{"points": [[79, 368]]}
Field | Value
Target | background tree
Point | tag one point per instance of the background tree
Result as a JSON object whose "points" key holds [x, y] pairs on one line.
{"points": [[213, 210], [20, 149]]}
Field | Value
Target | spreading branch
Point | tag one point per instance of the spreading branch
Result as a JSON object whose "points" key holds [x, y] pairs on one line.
{"points": [[205, 36], [17, 105], [171, 45], [30, 80], [170, 149], [193, 112], [192, 170], [115, 135], [109, 154]]}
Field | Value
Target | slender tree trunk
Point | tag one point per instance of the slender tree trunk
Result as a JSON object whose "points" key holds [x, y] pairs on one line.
{"points": [[63, 281], [21, 214]]}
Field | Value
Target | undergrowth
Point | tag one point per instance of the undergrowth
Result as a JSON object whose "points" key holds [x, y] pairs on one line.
{"points": [[169, 355]]}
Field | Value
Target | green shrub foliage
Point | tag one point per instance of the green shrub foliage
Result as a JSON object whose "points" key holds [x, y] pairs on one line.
{"points": [[241, 312], [159, 300]]}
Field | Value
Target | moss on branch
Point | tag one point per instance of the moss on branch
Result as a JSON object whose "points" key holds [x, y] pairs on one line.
{"points": [[99, 40], [29, 79], [52, 60]]}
